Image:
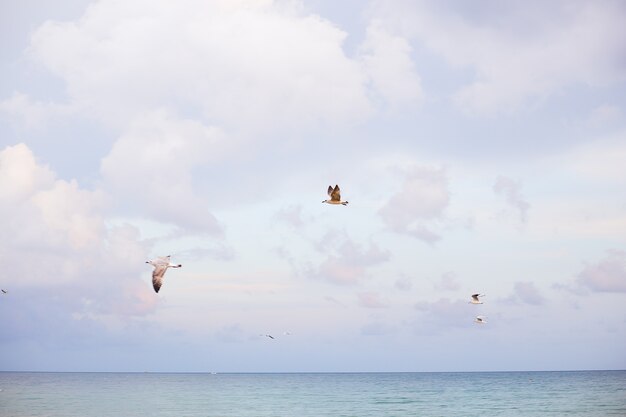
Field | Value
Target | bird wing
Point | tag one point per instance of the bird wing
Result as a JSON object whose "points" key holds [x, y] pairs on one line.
{"points": [[335, 195], [330, 190], [475, 296], [157, 276]]}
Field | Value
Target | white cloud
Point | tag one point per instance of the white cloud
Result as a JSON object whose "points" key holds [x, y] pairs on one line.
{"points": [[607, 275], [250, 65], [53, 238], [387, 61], [602, 159], [511, 191], [347, 261], [150, 167], [518, 51], [24, 112], [423, 198], [20, 175]]}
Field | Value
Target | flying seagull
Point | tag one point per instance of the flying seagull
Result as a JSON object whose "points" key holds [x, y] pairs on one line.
{"points": [[4, 291], [160, 266], [475, 299], [480, 320], [267, 335], [335, 196]]}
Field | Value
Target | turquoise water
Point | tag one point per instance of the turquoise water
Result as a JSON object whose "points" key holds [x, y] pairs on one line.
{"points": [[588, 393]]}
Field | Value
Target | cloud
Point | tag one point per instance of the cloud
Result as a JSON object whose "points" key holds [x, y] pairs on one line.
{"points": [[511, 191], [518, 53], [601, 160], [387, 61], [404, 283], [347, 261], [444, 314], [448, 282], [527, 293], [250, 65], [423, 197], [371, 300], [220, 252], [150, 170], [607, 275], [291, 215], [24, 112], [53, 239]]}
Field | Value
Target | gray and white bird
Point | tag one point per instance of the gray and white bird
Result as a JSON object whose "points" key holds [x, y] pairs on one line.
{"points": [[335, 196], [160, 266], [480, 319], [4, 291], [476, 299]]}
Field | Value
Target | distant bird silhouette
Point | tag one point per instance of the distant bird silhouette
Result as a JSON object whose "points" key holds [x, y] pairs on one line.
{"points": [[267, 335], [4, 291], [475, 299], [160, 266], [480, 320], [335, 196]]}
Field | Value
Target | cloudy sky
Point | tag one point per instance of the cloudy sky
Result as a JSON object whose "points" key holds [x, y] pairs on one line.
{"points": [[482, 148]]}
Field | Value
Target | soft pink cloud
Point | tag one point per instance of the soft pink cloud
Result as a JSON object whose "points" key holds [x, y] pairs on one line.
{"points": [[347, 261], [55, 235], [371, 300], [423, 198], [607, 275]]}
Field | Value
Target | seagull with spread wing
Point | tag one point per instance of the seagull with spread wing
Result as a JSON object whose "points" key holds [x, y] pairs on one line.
{"points": [[476, 299], [335, 196], [160, 266]]}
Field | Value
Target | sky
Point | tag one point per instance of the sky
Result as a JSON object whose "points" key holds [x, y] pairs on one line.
{"points": [[481, 146]]}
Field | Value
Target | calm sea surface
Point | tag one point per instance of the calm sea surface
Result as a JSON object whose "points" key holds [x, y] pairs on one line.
{"points": [[588, 393]]}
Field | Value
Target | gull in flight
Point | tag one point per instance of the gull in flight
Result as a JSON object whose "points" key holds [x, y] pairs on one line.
{"points": [[160, 266], [475, 299], [480, 320], [267, 335], [335, 196], [4, 291]]}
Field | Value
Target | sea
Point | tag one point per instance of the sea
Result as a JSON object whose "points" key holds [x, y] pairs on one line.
{"points": [[466, 394]]}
